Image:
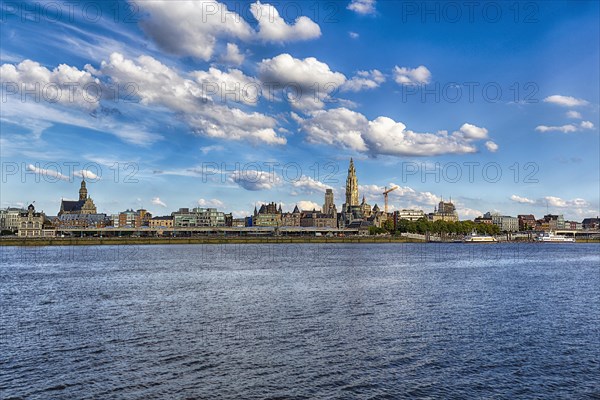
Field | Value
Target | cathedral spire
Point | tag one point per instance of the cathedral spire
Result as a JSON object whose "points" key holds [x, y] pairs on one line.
{"points": [[351, 186]]}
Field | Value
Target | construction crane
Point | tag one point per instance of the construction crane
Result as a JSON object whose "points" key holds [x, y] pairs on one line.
{"points": [[385, 197]]}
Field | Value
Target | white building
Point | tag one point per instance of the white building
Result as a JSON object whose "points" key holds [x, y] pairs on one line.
{"points": [[504, 222], [198, 217], [410, 215]]}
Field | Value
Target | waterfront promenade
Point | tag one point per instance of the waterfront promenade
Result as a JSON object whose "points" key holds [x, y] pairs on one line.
{"points": [[92, 241]]}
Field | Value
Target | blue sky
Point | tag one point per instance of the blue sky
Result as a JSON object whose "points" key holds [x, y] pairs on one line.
{"points": [[170, 104]]}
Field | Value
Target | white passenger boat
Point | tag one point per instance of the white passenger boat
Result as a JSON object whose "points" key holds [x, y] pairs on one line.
{"points": [[475, 238], [552, 238]]}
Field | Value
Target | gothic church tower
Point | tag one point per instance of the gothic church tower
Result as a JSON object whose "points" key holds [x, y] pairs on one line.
{"points": [[83, 193], [351, 186]]}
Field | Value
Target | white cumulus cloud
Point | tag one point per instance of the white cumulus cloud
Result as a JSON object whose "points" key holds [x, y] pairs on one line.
{"points": [[565, 101], [351, 130], [255, 180], [468, 213], [338, 127], [159, 85], [64, 84], [232, 85], [271, 27], [210, 203], [521, 200], [364, 7], [192, 28], [386, 136], [491, 146], [310, 81], [415, 76], [364, 80], [198, 28], [473, 132], [558, 202], [576, 206], [232, 55]]}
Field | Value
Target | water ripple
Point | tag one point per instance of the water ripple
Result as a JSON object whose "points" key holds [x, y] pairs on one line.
{"points": [[300, 322]]}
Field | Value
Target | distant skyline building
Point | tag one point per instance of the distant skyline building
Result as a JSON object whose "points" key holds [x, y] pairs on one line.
{"points": [[506, 223], [198, 217], [351, 186], [409, 215], [445, 211], [83, 193], [329, 205], [9, 218], [268, 215], [85, 204], [352, 209], [31, 224]]}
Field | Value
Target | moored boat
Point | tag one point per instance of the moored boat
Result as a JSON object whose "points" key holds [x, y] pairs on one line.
{"points": [[550, 237], [476, 238]]}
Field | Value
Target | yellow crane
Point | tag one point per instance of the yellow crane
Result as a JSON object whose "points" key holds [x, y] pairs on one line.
{"points": [[385, 197]]}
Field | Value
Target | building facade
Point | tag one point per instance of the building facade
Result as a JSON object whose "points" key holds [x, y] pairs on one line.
{"points": [[198, 217], [573, 225], [483, 220], [291, 219], [79, 221], [554, 221], [161, 222], [131, 219], [238, 222], [409, 215], [329, 205], [445, 211], [31, 224], [591, 223], [10, 218], [527, 222], [315, 219], [504, 222], [85, 204], [267, 215], [365, 208]]}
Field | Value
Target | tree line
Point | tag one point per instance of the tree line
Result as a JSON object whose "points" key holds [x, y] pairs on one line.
{"points": [[423, 226]]}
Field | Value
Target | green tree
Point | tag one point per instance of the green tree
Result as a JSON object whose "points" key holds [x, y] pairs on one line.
{"points": [[388, 225], [403, 226], [375, 230]]}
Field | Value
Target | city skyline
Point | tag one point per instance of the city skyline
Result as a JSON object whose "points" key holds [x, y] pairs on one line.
{"points": [[417, 94], [85, 205]]}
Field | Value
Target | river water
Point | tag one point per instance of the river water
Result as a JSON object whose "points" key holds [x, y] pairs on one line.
{"points": [[300, 321]]}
